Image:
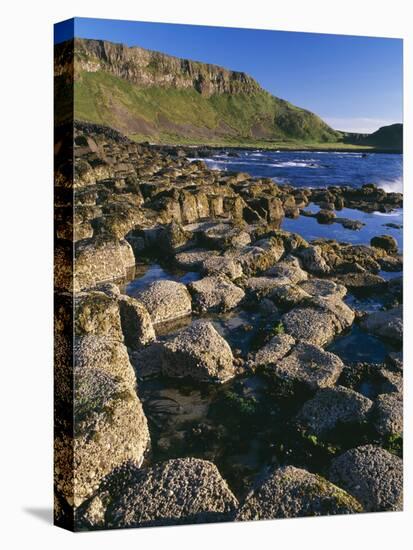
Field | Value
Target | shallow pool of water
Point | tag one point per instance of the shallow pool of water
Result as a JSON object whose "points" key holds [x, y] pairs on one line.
{"points": [[375, 224], [357, 345], [148, 273]]}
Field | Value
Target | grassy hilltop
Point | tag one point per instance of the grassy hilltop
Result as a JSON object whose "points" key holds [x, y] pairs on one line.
{"points": [[153, 96]]}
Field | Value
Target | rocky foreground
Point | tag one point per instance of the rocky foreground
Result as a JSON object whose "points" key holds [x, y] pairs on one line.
{"points": [[136, 203]]}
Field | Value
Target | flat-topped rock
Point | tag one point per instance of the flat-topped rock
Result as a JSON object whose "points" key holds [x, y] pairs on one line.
{"points": [[215, 293], [310, 325], [324, 288], [275, 350], [372, 475], [318, 320], [221, 265], [198, 352], [194, 259], [309, 365], [291, 492], [99, 261], [362, 283], [223, 235], [165, 301], [100, 352], [182, 490], [343, 314], [331, 407], [98, 314], [288, 268]]}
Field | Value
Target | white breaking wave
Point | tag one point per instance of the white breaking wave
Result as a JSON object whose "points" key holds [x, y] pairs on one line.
{"points": [[216, 166], [392, 186], [292, 163], [393, 214]]}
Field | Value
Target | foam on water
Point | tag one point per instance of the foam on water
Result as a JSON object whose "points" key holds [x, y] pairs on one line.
{"points": [[294, 164], [392, 186], [313, 168]]}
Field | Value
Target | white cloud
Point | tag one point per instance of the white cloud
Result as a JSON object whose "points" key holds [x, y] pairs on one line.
{"points": [[358, 125]]}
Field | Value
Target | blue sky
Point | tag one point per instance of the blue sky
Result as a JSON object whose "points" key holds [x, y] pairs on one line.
{"points": [[353, 83]]}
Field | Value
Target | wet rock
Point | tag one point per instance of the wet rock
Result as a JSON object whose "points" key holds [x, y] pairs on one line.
{"points": [[312, 260], [101, 261], [325, 216], [98, 314], [276, 349], [165, 301], [354, 225], [101, 352], [372, 475], [331, 407], [387, 414], [393, 225], [395, 289], [385, 324], [387, 242], [309, 365], [215, 293], [220, 265], [292, 492], [391, 263], [198, 352], [183, 490], [288, 268], [136, 322], [194, 259], [110, 429]]}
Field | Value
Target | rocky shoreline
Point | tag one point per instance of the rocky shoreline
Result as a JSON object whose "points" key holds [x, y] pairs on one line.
{"points": [[331, 430]]}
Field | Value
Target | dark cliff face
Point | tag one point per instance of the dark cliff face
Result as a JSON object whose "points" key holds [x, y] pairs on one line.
{"points": [[152, 95], [150, 68]]}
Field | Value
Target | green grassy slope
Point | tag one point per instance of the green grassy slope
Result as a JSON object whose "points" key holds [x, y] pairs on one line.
{"points": [[387, 137], [151, 96], [159, 113]]}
